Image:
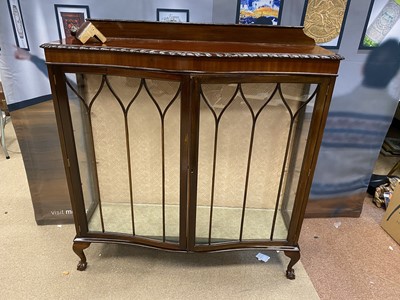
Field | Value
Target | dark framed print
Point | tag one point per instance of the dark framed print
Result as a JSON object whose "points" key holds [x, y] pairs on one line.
{"points": [[18, 24], [382, 23], [267, 12], [173, 15], [324, 21], [69, 16]]}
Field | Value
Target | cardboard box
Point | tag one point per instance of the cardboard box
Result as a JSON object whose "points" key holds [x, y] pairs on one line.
{"points": [[391, 219]]}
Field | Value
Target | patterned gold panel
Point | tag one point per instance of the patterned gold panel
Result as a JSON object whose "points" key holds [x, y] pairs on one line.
{"points": [[323, 20]]}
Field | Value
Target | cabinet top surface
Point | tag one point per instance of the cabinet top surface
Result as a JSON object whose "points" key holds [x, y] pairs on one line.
{"points": [[206, 38], [196, 41]]}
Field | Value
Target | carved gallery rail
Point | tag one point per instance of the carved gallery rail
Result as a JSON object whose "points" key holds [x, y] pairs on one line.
{"points": [[190, 137]]}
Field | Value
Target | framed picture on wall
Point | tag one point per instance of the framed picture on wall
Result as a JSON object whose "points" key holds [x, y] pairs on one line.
{"points": [[324, 21], [18, 24], [382, 23], [267, 12], [68, 16], [173, 15]]}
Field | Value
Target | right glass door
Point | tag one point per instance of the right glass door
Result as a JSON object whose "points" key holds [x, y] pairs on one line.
{"points": [[251, 143]]}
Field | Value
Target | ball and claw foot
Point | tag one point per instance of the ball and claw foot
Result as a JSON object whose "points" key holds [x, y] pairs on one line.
{"points": [[290, 274], [81, 266], [294, 258], [78, 248]]}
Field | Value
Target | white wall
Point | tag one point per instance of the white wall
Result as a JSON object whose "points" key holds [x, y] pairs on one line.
{"points": [[23, 81]]}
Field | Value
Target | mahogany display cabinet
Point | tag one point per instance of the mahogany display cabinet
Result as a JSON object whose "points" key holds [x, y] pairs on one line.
{"points": [[190, 137]]}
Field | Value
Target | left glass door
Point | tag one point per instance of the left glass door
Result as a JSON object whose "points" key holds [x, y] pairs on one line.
{"points": [[127, 132]]}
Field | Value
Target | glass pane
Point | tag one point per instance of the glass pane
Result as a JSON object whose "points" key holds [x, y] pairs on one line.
{"points": [[301, 127], [133, 127], [247, 135], [84, 146], [154, 121]]}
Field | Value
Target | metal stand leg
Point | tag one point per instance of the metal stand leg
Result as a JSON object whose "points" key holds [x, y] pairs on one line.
{"points": [[2, 126]]}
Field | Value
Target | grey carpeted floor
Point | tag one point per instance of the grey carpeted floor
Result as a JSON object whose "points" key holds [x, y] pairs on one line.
{"points": [[37, 262]]}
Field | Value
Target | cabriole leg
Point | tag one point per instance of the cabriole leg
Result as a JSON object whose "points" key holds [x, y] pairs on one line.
{"points": [[78, 248], [294, 258]]}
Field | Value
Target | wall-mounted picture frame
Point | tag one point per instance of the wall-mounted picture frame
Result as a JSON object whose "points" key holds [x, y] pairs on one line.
{"points": [[172, 15], [18, 24], [68, 16], [265, 12], [324, 21], [382, 23]]}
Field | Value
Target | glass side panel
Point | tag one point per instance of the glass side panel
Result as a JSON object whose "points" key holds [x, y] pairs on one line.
{"points": [[127, 133], [84, 147], [297, 147], [251, 141]]}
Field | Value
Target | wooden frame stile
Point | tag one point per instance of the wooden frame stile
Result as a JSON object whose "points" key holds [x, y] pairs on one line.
{"points": [[186, 116], [193, 161], [67, 141], [61, 107]]}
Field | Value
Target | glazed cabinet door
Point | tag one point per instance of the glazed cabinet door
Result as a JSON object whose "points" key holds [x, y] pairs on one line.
{"points": [[128, 149], [254, 151]]}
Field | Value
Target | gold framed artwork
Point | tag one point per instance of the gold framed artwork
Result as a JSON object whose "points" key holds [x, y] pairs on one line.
{"points": [[324, 21]]}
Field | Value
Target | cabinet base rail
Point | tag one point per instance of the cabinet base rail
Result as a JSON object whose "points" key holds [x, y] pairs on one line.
{"points": [[293, 252]]}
